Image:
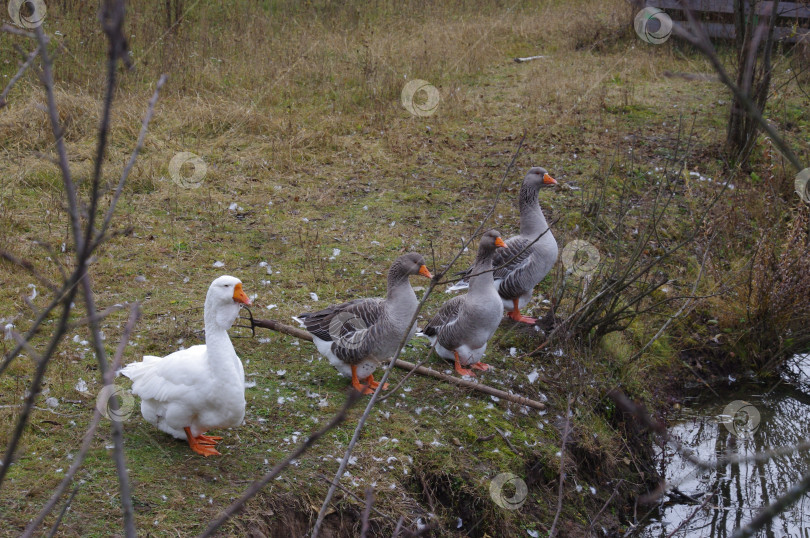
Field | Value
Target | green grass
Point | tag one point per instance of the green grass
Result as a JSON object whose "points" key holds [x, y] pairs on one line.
{"points": [[315, 127]]}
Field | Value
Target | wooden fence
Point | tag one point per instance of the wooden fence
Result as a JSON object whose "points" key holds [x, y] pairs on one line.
{"points": [[717, 17]]}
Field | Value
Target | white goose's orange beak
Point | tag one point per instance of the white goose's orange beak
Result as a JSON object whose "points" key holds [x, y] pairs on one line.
{"points": [[239, 296], [548, 180], [424, 272], [499, 242]]}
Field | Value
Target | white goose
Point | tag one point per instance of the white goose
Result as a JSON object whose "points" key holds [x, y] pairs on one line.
{"points": [[193, 390]]}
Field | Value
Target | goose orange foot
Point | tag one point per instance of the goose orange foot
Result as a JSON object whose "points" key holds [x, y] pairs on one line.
{"points": [[362, 389], [209, 439], [374, 384], [517, 316], [200, 444], [480, 366], [460, 369]]}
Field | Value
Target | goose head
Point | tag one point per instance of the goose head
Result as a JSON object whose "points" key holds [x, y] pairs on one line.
{"points": [[537, 177], [407, 265], [225, 297], [490, 241]]}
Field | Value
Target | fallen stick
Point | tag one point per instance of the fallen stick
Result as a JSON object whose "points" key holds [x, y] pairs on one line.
{"points": [[528, 59], [405, 365]]}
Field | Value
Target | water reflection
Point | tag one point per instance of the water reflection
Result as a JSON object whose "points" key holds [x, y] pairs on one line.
{"points": [[738, 490]]}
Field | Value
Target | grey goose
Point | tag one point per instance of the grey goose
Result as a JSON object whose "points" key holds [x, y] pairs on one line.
{"points": [[356, 336], [462, 327], [529, 256]]}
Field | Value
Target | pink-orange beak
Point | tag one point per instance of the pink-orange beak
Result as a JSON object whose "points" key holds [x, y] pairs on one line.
{"points": [[548, 180], [499, 242], [239, 296], [424, 272]]}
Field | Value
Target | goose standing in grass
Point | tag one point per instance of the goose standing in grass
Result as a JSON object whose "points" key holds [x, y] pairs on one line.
{"points": [[462, 327], [200, 388], [358, 335], [526, 260]]}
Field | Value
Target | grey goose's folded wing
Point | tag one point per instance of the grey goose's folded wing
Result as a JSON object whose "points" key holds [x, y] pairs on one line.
{"points": [[446, 317], [338, 321], [352, 327]]}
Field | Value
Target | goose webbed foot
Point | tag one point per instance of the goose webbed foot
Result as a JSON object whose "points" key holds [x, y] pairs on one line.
{"points": [[201, 444], [460, 369], [361, 388], [374, 384]]}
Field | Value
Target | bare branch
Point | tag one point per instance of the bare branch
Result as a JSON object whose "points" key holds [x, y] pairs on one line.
{"points": [[405, 365], [138, 146], [238, 504], [438, 276], [53, 113], [698, 38], [23, 68], [367, 512], [561, 485], [134, 314], [62, 512], [17, 31], [36, 385], [28, 266]]}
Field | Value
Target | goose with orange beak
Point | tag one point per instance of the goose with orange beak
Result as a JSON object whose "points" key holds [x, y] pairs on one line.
{"points": [[200, 388], [463, 325], [356, 336], [528, 257]]}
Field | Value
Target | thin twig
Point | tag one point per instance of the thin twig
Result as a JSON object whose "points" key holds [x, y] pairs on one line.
{"points": [[62, 512], [561, 486], [607, 503], [422, 370], [677, 314], [398, 528], [693, 514], [28, 266], [254, 488], [134, 314], [138, 146], [366, 512], [36, 385], [23, 68], [508, 442], [439, 275], [17, 31], [767, 514], [353, 495]]}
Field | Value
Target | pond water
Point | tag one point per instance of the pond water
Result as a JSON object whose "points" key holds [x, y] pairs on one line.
{"points": [[745, 419]]}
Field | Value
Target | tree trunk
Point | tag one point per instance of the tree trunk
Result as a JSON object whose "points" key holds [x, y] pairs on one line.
{"points": [[754, 49]]}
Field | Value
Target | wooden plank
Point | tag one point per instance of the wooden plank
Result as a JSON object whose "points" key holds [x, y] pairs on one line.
{"points": [[726, 31], [703, 6], [792, 10]]}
